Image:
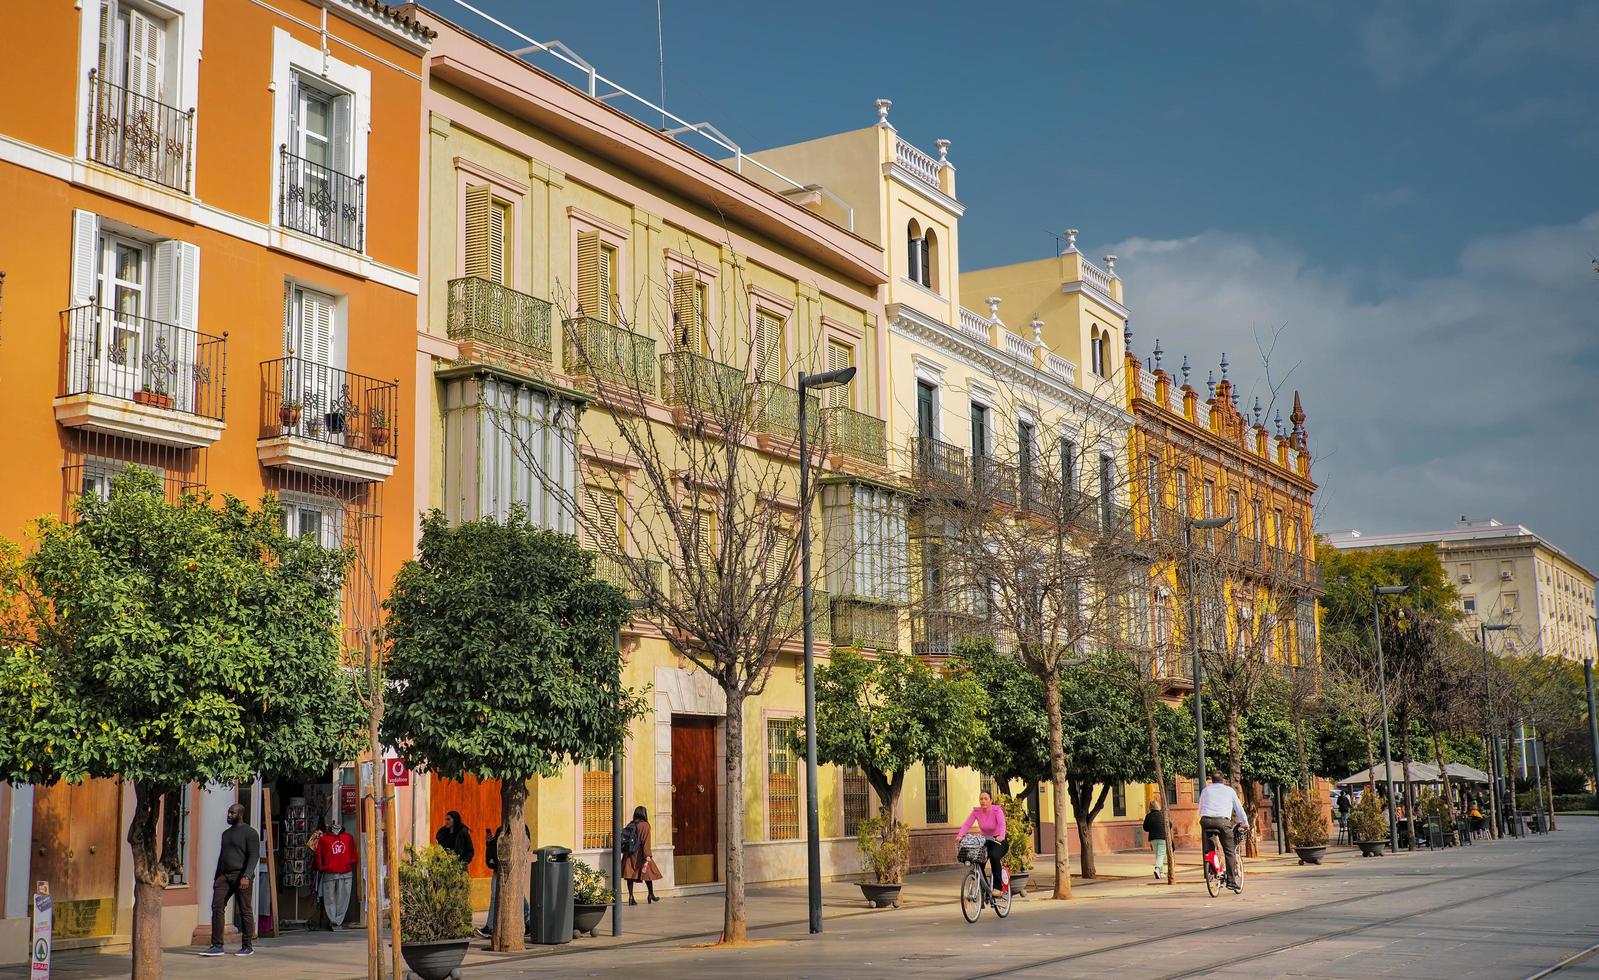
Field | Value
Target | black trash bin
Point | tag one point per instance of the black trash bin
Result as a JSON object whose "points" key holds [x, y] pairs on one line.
{"points": [[552, 895]]}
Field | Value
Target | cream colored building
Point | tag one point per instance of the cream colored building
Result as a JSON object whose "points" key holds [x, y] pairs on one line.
{"points": [[1506, 573]]}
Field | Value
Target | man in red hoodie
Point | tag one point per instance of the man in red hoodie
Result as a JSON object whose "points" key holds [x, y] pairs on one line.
{"points": [[335, 858]]}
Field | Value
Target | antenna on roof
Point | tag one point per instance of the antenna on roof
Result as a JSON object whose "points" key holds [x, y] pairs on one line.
{"points": [[660, 54]]}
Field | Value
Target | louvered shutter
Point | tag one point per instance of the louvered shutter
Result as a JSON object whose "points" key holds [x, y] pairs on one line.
{"points": [[605, 510], [777, 567], [85, 252], [589, 289], [176, 301], [703, 530], [479, 209], [686, 312], [316, 328], [146, 55], [839, 357], [342, 135], [108, 42], [498, 215], [604, 283], [768, 346]]}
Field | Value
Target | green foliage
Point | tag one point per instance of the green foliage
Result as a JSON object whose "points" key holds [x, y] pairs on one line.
{"points": [[1267, 735], [1573, 801], [589, 886], [1432, 805], [887, 713], [1306, 826], [1018, 834], [1366, 820], [435, 896], [885, 846], [503, 662], [171, 643], [1104, 735], [1015, 722]]}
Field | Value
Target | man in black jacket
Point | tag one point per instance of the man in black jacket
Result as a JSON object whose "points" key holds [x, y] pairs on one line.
{"points": [[236, 862], [1155, 830]]}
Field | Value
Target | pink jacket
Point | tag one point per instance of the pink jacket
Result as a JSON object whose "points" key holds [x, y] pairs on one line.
{"points": [[990, 823]]}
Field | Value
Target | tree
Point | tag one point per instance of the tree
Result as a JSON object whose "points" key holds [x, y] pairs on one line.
{"points": [[168, 644], [1014, 721], [503, 665], [888, 713]]}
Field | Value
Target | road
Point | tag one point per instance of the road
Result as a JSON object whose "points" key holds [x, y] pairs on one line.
{"points": [[1500, 910]]}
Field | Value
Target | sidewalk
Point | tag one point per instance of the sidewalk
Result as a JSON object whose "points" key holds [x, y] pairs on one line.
{"points": [[677, 920]]}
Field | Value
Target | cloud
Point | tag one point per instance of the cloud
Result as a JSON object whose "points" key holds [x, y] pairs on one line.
{"points": [[1407, 39], [1474, 392]]}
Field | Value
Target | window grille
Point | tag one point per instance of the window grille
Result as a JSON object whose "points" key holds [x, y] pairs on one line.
{"points": [[782, 780]]}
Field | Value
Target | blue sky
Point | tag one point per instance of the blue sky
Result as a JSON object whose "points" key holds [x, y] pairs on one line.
{"points": [[1405, 194]]}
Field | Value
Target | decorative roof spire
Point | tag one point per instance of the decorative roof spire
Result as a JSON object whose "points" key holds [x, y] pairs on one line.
{"points": [[1297, 416], [1224, 365], [1127, 333], [1158, 353], [1279, 422], [1210, 383], [1186, 369], [1257, 411]]}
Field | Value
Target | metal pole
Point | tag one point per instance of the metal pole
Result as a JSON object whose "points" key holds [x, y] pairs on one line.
{"points": [[1593, 716], [1193, 651], [616, 822], [1488, 718], [813, 819], [1520, 770], [1387, 752], [1537, 782]]}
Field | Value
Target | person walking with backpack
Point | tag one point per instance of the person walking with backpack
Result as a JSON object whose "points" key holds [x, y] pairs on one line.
{"points": [[1155, 830], [638, 859]]}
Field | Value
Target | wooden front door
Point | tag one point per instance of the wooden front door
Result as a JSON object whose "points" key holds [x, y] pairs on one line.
{"points": [[478, 803], [77, 846], [694, 830]]}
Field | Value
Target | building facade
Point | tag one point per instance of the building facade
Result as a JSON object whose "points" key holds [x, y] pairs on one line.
{"points": [[208, 284], [1506, 573]]}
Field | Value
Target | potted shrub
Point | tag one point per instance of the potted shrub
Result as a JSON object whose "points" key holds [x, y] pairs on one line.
{"points": [[591, 896], [289, 413], [1368, 828], [435, 912], [378, 429], [885, 846], [1019, 835], [1306, 828], [153, 396]]}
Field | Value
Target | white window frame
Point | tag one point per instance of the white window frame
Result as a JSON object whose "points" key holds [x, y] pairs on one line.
{"points": [[290, 55], [102, 469], [331, 534], [339, 348], [186, 27]]}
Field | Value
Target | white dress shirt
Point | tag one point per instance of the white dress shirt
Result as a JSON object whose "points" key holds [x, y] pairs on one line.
{"points": [[1219, 800]]}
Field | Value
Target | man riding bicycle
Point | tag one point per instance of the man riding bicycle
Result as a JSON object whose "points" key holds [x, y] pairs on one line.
{"points": [[1218, 805]]}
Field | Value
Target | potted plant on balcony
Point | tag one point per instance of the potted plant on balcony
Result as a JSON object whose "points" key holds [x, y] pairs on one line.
{"points": [[885, 846], [338, 411], [1368, 828], [378, 427], [153, 394], [1018, 858], [1307, 828], [435, 912], [591, 896], [289, 413]]}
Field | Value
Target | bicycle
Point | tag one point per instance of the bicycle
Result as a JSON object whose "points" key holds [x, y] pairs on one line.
{"points": [[976, 888], [1216, 865]]}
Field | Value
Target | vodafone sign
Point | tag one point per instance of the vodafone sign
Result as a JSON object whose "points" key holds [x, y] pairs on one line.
{"points": [[395, 773]]}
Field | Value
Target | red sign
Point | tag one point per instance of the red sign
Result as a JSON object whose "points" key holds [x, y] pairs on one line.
{"points": [[347, 799], [395, 772]]}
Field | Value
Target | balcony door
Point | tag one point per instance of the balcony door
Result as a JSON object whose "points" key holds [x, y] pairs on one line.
{"points": [[121, 342], [133, 71], [314, 355], [323, 200]]}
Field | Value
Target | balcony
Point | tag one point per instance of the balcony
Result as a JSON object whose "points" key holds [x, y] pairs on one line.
{"points": [[625, 572], [327, 422], [937, 633], [935, 461], [485, 314], [134, 376], [994, 480], [1171, 666], [865, 624], [704, 386], [856, 434], [1084, 511], [321, 201], [791, 620], [608, 354], [140, 136], [775, 411]]}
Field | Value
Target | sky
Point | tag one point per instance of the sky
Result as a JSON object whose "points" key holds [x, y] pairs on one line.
{"points": [[1398, 199]]}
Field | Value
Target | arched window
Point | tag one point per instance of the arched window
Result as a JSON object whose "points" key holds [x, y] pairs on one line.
{"points": [[930, 260], [914, 257], [1095, 347]]}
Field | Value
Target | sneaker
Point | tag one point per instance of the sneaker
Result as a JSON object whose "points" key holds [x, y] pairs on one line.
{"points": [[212, 951], [245, 951]]}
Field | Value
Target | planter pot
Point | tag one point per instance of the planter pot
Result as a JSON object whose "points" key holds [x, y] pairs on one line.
{"points": [[1371, 848], [881, 896], [335, 421], [1018, 884], [440, 960], [380, 436], [1311, 855], [152, 399], [289, 416], [586, 918]]}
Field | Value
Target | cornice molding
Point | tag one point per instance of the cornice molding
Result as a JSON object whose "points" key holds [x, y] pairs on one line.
{"points": [[1096, 294], [910, 181]]}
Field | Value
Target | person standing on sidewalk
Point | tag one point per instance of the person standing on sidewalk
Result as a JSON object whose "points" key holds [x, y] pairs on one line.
{"points": [[456, 836], [236, 862], [1155, 830], [638, 856], [335, 861]]}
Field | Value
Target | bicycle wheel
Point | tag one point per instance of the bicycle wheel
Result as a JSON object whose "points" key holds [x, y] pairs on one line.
{"points": [[1001, 902], [1212, 880], [971, 896]]}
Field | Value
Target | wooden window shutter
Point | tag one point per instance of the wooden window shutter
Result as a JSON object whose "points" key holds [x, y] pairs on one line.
{"points": [[593, 290], [479, 218], [343, 133], [605, 508], [146, 53], [840, 356], [768, 345], [686, 312], [777, 557], [108, 43], [704, 533], [316, 328]]}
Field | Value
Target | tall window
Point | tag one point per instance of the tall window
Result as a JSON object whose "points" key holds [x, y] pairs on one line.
{"points": [[930, 260], [488, 225], [1107, 489], [1068, 464], [782, 780], [597, 802], [490, 428], [604, 508], [857, 799], [1209, 503], [840, 356], [979, 432], [1183, 502], [1152, 494], [1095, 346], [915, 261], [1118, 800], [180, 874], [937, 793], [310, 329], [1024, 455], [768, 339], [926, 407], [596, 287]]}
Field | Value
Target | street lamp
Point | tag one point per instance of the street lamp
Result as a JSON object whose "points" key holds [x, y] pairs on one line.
{"points": [[1483, 629], [1378, 591], [1593, 716], [1189, 525], [813, 817]]}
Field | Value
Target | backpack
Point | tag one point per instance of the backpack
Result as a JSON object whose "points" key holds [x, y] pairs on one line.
{"points": [[630, 841]]}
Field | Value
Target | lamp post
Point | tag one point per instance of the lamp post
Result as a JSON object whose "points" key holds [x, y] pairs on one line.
{"points": [[1203, 524], [1593, 716], [813, 818], [1483, 629], [1377, 592]]}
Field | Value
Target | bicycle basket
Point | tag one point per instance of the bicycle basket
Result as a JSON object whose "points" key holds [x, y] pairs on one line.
{"points": [[973, 847]]}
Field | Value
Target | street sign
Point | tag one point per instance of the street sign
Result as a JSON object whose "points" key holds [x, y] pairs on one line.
{"points": [[41, 933], [395, 771], [347, 798]]}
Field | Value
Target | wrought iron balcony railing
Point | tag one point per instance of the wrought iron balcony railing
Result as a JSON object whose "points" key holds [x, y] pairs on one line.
{"points": [[856, 434], [324, 404], [143, 360], [609, 353], [865, 624], [937, 633], [1084, 510], [138, 135], [791, 619], [775, 411], [709, 387], [994, 480], [938, 461], [487, 312], [321, 201], [627, 573]]}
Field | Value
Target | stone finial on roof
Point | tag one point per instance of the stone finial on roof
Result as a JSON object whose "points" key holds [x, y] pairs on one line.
{"points": [[1158, 353], [1224, 365], [1210, 383], [943, 150], [1257, 411], [1110, 264], [1186, 369], [1279, 422], [882, 110], [1038, 330], [1127, 333], [1071, 239], [993, 308], [1297, 416]]}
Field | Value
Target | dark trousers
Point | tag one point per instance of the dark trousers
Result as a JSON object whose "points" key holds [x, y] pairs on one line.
{"points": [[222, 889], [997, 849], [1223, 827]]}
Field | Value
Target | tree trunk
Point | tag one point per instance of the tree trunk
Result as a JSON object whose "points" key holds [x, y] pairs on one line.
{"points": [[1160, 783], [1087, 807], [150, 875], [1057, 783], [735, 928], [374, 852], [1443, 771], [1235, 775], [1304, 756], [1549, 778], [514, 864], [1410, 788], [1371, 762]]}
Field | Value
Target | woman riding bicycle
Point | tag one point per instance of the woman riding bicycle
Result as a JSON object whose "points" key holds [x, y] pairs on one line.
{"points": [[990, 820]]}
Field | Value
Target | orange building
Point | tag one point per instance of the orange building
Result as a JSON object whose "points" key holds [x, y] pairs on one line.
{"points": [[209, 256]]}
